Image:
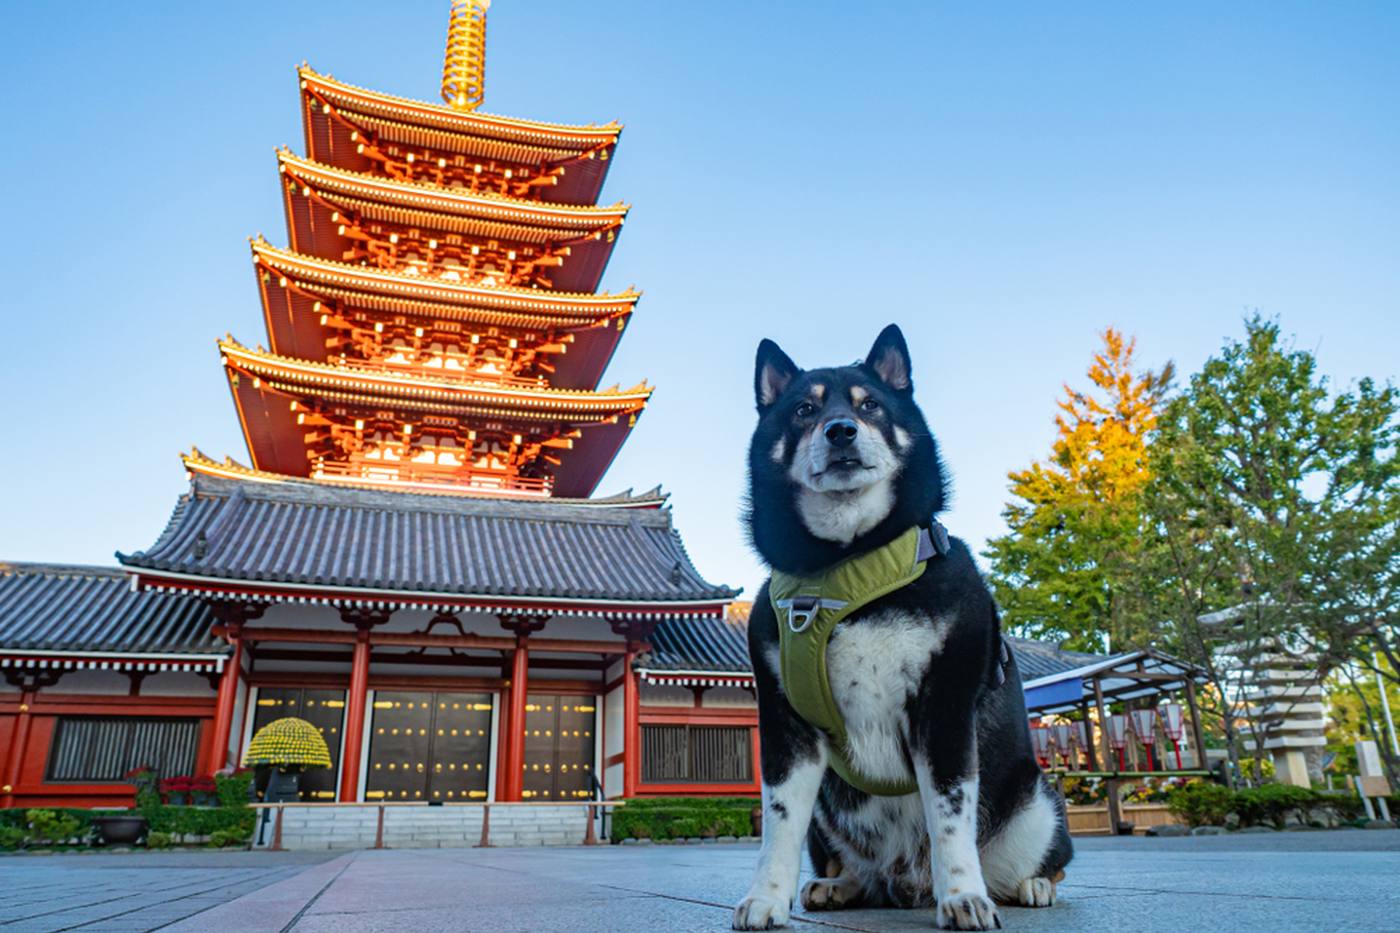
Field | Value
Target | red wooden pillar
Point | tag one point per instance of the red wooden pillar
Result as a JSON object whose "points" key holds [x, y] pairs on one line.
{"points": [[510, 772], [631, 725], [232, 616], [223, 708], [355, 719], [18, 740], [356, 702], [514, 762]]}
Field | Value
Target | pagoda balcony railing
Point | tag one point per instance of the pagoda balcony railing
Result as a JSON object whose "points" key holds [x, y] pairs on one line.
{"points": [[404, 475], [444, 374]]}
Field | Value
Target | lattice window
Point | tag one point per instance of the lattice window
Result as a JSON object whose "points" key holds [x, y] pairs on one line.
{"points": [[697, 754], [104, 749]]}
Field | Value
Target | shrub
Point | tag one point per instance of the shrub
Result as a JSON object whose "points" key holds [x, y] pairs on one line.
{"points": [[11, 837], [1270, 804], [683, 817], [1202, 804], [157, 840], [52, 826], [232, 788]]}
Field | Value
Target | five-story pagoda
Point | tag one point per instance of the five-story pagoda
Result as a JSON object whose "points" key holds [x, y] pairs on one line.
{"points": [[436, 324]]}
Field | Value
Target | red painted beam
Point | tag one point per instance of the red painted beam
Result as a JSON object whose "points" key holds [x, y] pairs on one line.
{"points": [[421, 640]]}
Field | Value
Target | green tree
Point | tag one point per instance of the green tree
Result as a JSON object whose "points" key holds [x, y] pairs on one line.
{"points": [[1275, 500], [1065, 568]]}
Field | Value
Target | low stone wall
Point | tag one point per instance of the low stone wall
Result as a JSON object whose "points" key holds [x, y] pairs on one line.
{"points": [[355, 826]]}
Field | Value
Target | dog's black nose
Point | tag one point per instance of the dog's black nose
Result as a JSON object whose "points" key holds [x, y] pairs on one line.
{"points": [[841, 432]]}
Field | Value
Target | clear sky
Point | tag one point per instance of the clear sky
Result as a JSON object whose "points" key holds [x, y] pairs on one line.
{"points": [[1002, 180]]}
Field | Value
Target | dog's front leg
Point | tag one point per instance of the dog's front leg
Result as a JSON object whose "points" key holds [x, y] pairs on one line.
{"points": [[945, 765], [793, 760], [787, 813]]}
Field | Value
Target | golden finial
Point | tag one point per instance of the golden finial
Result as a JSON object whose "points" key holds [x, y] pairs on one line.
{"points": [[464, 68]]}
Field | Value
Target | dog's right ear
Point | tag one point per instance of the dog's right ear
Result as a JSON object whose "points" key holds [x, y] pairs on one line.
{"points": [[773, 370]]}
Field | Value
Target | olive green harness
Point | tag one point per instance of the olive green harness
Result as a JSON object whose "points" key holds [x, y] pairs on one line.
{"points": [[810, 608]]}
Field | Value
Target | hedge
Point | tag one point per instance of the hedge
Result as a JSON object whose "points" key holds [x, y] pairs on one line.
{"points": [[1205, 804], [683, 818]]}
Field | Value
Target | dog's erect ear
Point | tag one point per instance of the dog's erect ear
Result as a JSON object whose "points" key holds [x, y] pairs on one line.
{"points": [[889, 359], [773, 370]]}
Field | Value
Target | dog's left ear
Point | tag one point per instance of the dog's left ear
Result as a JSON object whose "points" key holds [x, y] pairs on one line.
{"points": [[889, 359]]}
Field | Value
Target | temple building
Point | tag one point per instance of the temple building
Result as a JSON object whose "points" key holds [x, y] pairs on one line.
{"points": [[412, 557]]}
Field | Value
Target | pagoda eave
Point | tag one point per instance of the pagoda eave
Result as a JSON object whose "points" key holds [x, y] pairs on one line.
{"points": [[197, 463], [280, 415], [575, 138]]}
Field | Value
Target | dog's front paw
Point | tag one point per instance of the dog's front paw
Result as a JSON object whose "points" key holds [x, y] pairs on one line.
{"points": [[759, 912], [1036, 892], [967, 912]]}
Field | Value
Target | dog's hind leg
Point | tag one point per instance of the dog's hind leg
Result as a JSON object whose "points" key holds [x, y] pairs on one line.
{"points": [[833, 888], [1025, 859]]}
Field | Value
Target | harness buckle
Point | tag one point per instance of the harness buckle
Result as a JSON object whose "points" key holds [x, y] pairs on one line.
{"points": [[803, 610]]}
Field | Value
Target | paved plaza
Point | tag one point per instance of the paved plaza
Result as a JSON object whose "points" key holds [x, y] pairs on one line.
{"points": [[1344, 880]]}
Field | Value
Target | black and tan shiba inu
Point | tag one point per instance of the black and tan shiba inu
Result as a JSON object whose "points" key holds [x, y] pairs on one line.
{"points": [[955, 813]]}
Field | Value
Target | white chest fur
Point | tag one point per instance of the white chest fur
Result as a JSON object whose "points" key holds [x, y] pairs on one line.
{"points": [[875, 665]]}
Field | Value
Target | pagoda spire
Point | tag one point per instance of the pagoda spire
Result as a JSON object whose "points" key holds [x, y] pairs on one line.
{"points": [[464, 66]]}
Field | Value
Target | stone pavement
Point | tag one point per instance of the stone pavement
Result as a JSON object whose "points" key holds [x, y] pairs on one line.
{"points": [[1343, 880]]}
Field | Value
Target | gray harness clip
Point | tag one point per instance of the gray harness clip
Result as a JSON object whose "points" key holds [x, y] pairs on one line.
{"points": [[802, 610]]}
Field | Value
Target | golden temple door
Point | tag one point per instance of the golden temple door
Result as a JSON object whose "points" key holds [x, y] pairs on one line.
{"points": [[429, 746], [559, 747]]}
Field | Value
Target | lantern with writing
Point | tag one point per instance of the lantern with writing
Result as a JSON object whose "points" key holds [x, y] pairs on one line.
{"points": [[1040, 741], [1065, 741], [1085, 733], [1145, 725], [1118, 735], [1174, 725]]}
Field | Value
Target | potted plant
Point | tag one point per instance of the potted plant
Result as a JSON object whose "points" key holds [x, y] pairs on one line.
{"points": [[203, 792], [119, 829], [286, 747]]}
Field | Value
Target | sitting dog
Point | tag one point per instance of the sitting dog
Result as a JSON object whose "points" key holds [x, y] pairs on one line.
{"points": [[891, 720]]}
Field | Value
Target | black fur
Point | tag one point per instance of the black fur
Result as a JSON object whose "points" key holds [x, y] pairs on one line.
{"points": [[960, 719]]}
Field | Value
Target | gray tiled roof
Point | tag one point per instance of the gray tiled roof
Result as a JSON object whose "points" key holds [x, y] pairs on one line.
{"points": [[334, 537], [719, 645], [1037, 659], [47, 607]]}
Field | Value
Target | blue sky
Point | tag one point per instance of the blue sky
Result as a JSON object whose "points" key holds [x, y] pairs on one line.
{"points": [[1003, 180]]}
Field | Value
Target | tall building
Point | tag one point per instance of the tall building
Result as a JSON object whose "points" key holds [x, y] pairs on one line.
{"points": [[412, 558]]}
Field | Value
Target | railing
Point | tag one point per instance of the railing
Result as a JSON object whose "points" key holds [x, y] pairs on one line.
{"points": [[442, 374], [397, 474], [594, 808]]}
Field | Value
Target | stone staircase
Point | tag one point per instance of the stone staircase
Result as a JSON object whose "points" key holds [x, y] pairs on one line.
{"points": [[420, 826]]}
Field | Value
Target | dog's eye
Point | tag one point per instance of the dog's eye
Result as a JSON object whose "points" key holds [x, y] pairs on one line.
{"points": [[870, 405], [805, 410]]}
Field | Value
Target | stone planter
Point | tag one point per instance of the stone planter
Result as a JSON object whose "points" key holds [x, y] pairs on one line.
{"points": [[119, 830]]}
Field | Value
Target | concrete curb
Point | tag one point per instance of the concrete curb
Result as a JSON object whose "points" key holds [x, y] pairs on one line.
{"points": [[269, 908]]}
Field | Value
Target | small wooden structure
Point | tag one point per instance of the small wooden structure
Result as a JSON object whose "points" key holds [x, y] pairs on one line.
{"points": [[1137, 679]]}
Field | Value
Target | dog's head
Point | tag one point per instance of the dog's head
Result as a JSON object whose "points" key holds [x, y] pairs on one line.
{"points": [[842, 460]]}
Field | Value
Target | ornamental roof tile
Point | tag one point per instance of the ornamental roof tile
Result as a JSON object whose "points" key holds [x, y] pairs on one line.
{"points": [[64, 608], [316, 535]]}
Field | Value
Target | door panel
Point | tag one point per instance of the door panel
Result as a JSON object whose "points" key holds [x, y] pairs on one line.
{"points": [[429, 746], [558, 747]]}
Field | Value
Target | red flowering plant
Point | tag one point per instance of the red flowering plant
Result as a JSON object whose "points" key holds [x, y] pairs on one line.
{"points": [[176, 790]]}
